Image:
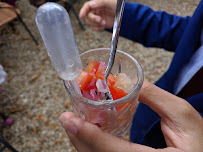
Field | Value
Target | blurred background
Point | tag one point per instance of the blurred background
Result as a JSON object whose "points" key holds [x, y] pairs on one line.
{"points": [[34, 96]]}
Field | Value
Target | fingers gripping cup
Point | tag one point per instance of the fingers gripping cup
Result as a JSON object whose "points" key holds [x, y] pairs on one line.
{"points": [[113, 116]]}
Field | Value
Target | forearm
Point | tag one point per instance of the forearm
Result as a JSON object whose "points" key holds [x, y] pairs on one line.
{"points": [[152, 29]]}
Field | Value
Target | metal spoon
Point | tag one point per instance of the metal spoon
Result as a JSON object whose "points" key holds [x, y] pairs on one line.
{"points": [[114, 41]]}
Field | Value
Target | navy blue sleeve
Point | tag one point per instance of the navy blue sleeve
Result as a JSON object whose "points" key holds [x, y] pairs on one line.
{"points": [[152, 29]]}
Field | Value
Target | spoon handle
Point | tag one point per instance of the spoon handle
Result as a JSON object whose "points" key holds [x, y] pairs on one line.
{"points": [[115, 35]]}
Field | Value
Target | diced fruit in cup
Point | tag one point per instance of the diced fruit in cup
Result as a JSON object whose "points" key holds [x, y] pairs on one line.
{"points": [[91, 83], [124, 82], [111, 79], [116, 92], [84, 79], [92, 66]]}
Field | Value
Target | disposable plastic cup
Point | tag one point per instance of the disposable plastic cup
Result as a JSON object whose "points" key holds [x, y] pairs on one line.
{"points": [[111, 116]]}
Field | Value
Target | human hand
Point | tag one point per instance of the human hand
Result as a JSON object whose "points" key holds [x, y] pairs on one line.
{"points": [[181, 124], [99, 14]]}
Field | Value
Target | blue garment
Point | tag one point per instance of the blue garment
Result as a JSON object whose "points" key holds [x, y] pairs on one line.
{"points": [[173, 33]]}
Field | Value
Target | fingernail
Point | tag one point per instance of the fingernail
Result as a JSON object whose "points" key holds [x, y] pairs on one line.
{"points": [[93, 4], [98, 20], [69, 127], [63, 118], [103, 22]]}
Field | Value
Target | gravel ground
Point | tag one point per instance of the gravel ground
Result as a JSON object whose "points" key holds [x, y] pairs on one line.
{"points": [[35, 96]]}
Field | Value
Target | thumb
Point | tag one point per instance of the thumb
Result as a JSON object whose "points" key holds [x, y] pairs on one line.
{"points": [[89, 138], [163, 102]]}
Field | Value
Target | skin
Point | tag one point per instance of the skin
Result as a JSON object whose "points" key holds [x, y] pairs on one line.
{"points": [[181, 125], [99, 14]]}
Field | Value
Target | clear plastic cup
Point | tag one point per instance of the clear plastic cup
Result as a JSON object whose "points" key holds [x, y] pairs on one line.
{"points": [[111, 116]]}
